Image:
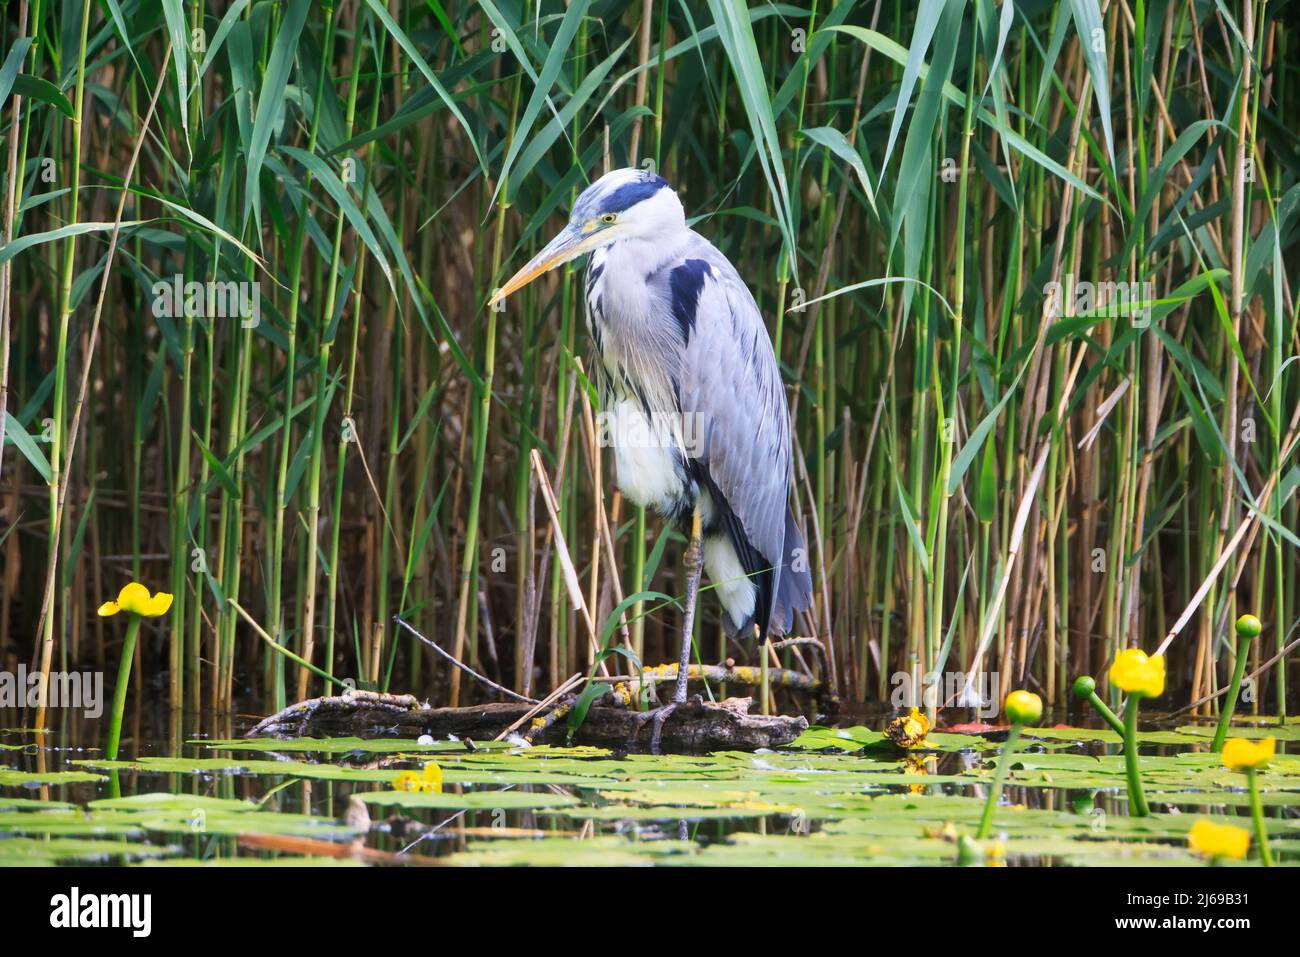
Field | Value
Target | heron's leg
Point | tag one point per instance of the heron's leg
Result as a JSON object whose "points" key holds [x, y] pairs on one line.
{"points": [[694, 562]]}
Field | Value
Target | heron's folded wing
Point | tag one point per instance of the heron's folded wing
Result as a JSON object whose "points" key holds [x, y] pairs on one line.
{"points": [[730, 380]]}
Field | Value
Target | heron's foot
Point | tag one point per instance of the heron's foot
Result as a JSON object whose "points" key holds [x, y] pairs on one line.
{"points": [[656, 718]]}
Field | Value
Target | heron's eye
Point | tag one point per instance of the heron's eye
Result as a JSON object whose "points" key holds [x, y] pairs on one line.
{"points": [[608, 218]]}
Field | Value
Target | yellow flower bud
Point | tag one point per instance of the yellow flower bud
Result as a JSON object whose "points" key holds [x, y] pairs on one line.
{"points": [[1024, 707]]}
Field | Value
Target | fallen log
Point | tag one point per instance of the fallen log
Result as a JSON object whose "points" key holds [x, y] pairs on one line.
{"points": [[696, 726]]}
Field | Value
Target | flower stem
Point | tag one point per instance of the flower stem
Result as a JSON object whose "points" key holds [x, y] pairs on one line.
{"points": [[1103, 709], [119, 693], [1137, 800], [1257, 814], [1234, 689], [995, 790]]}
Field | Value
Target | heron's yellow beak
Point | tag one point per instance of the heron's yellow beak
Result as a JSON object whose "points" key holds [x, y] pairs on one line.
{"points": [[571, 243]]}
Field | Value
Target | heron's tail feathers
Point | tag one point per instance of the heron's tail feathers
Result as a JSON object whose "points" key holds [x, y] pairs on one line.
{"points": [[794, 582], [753, 588]]}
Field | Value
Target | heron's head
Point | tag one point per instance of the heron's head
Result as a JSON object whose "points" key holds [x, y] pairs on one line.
{"points": [[623, 204]]}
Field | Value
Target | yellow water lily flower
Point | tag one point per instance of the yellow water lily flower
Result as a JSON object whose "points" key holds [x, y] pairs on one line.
{"points": [[136, 599], [1242, 754], [995, 854], [942, 832], [1137, 674], [429, 781], [908, 730], [1218, 840], [408, 781]]}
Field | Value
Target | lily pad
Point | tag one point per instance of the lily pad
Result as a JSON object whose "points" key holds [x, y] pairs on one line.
{"points": [[477, 800], [253, 822], [1203, 733], [8, 803], [19, 851], [184, 803], [1107, 736], [67, 823], [28, 778]]}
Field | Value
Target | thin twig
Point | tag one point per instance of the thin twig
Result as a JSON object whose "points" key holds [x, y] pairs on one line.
{"points": [[462, 666], [1250, 677], [261, 633], [566, 561]]}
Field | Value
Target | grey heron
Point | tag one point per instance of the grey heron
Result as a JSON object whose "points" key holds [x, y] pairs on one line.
{"points": [[692, 394]]}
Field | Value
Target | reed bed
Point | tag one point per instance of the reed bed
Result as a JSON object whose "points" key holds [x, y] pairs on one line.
{"points": [[1027, 267]]}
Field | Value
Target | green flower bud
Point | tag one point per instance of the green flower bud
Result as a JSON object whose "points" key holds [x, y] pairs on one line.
{"points": [[968, 852], [1248, 626]]}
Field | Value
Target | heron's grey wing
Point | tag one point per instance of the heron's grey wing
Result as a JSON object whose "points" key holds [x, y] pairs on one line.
{"points": [[730, 380]]}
